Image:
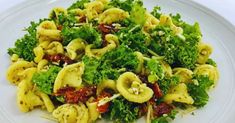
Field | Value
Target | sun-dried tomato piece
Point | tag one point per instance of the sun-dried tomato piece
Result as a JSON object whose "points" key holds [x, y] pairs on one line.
{"points": [[73, 96], [103, 108], [156, 89], [60, 58], [143, 109], [162, 108]]}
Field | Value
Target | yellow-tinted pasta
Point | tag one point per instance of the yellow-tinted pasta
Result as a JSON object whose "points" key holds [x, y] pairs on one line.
{"points": [[55, 48], [179, 93], [106, 84], [141, 62], [205, 51], [13, 72], [207, 70], [167, 68], [55, 12], [42, 64], [166, 20], [112, 15], [111, 40], [71, 113], [151, 22], [47, 31], [14, 58], [39, 53], [93, 9], [46, 100], [74, 47], [92, 110], [26, 97], [131, 88], [69, 76], [185, 75]]}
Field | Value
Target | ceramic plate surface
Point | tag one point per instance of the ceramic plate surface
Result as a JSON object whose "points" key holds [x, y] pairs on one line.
{"points": [[216, 31]]}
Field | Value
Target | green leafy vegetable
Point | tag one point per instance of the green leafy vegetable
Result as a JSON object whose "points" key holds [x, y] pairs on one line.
{"points": [[133, 37], [137, 13], [177, 52], [166, 118], [199, 92], [122, 4], [24, 46], [168, 82], [45, 80], [211, 62], [91, 74], [123, 111], [121, 57], [156, 70], [79, 4], [156, 12], [109, 65], [86, 32]]}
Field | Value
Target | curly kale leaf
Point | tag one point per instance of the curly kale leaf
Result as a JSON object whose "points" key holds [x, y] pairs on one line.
{"points": [[108, 66], [132, 36], [156, 70], [199, 92], [122, 111], [166, 83], [78, 4], [125, 5], [166, 118], [211, 62], [156, 12], [121, 57], [176, 51], [45, 80], [86, 32], [25, 45]]}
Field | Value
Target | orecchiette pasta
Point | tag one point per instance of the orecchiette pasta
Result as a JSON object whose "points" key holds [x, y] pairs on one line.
{"points": [[42, 64], [39, 53], [75, 48], [55, 12], [131, 87], [46, 100], [55, 48], [141, 62], [26, 97], [166, 20], [47, 31], [151, 22], [71, 113], [106, 84], [185, 75], [93, 9], [92, 110], [205, 51], [14, 58], [207, 70], [111, 40], [13, 72], [167, 68], [69, 76], [112, 15], [179, 93]]}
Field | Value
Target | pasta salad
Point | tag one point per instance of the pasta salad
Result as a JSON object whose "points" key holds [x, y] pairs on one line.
{"points": [[112, 60]]}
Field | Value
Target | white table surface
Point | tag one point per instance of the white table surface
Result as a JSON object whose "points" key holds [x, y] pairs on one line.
{"points": [[226, 8]]}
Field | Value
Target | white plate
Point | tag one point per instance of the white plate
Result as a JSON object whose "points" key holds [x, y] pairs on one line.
{"points": [[216, 30]]}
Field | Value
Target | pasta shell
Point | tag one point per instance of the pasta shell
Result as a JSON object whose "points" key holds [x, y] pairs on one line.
{"points": [[69, 76], [179, 93], [131, 88]]}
